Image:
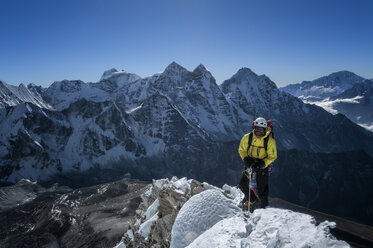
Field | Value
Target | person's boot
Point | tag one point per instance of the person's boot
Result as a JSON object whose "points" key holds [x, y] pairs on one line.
{"points": [[264, 202], [244, 204], [254, 205]]}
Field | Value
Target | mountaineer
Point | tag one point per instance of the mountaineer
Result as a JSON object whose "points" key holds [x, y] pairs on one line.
{"points": [[258, 151]]}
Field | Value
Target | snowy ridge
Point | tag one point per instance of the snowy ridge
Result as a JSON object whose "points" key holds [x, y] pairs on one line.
{"points": [[40, 141], [341, 92], [11, 96], [324, 87], [194, 94], [211, 218], [62, 93], [124, 119]]}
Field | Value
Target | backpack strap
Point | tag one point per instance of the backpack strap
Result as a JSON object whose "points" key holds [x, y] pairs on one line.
{"points": [[251, 140], [266, 142]]}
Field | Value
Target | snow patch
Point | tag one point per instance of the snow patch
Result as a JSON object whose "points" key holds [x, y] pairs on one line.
{"points": [[130, 234], [226, 233], [144, 229], [120, 245], [199, 214], [152, 210], [211, 219], [367, 127], [134, 109], [273, 227]]}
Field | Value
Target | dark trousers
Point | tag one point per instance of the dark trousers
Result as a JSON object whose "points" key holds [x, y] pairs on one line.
{"points": [[262, 185]]}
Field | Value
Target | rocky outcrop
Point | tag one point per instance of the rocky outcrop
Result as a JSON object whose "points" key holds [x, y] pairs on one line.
{"points": [[152, 224]]}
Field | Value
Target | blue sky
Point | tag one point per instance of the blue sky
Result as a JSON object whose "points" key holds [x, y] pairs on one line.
{"points": [[289, 41]]}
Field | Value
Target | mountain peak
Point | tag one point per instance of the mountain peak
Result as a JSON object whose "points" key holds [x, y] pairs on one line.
{"points": [[108, 73], [246, 79], [247, 75], [324, 87], [342, 73], [246, 72], [200, 68], [2, 83], [174, 68], [345, 78]]}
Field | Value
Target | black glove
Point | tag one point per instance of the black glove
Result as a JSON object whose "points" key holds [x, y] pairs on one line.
{"points": [[248, 161], [260, 164]]}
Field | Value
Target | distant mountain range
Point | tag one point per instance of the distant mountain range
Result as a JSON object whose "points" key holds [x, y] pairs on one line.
{"points": [[177, 122], [341, 92]]}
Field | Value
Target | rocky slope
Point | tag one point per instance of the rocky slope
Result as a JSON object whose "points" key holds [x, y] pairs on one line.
{"points": [[61, 217]]}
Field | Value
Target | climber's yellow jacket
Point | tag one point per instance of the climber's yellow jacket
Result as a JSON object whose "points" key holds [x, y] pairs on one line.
{"points": [[257, 150]]}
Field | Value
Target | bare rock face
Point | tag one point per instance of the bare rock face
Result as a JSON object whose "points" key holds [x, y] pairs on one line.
{"points": [[152, 224]]}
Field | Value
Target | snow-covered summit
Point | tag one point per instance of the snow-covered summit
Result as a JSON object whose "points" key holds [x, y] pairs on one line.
{"points": [[185, 213], [36, 89], [356, 103], [247, 78], [324, 87], [62, 93], [245, 73], [108, 73], [122, 77], [252, 95], [201, 69], [340, 92], [174, 69]]}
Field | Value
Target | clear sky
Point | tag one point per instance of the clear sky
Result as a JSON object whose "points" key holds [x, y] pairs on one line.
{"points": [[289, 41]]}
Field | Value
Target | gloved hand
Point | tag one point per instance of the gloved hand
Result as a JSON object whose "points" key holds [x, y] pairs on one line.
{"points": [[260, 164], [248, 161]]}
